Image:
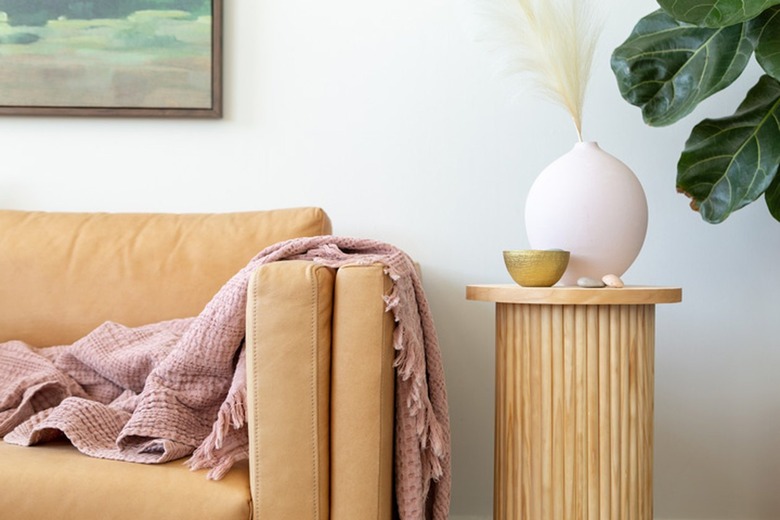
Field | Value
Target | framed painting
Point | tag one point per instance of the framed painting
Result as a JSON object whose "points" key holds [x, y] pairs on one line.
{"points": [[142, 58]]}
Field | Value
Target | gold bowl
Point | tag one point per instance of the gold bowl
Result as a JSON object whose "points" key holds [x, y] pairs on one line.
{"points": [[536, 267]]}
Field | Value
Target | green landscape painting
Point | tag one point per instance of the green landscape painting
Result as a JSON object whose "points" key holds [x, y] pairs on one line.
{"points": [[108, 56]]}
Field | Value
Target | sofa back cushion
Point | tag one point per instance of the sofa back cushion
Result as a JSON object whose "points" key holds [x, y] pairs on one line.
{"points": [[63, 274]]}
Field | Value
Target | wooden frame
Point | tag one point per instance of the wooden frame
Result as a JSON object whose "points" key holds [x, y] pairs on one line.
{"points": [[148, 80]]}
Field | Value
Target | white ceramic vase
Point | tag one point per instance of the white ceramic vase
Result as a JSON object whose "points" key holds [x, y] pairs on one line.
{"points": [[591, 204]]}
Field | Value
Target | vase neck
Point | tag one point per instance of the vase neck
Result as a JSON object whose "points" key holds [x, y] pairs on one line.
{"points": [[587, 145]]}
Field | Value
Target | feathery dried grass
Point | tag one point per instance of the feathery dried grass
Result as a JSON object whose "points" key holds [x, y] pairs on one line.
{"points": [[549, 42]]}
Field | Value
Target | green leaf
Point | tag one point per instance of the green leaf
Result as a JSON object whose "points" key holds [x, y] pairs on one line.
{"points": [[772, 197], [767, 30], [667, 67], [716, 13], [728, 163]]}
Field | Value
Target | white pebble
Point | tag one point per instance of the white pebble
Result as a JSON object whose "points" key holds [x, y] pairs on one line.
{"points": [[612, 280], [590, 283]]}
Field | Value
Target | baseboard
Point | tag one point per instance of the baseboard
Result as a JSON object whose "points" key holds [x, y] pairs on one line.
{"points": [[471, 517]]}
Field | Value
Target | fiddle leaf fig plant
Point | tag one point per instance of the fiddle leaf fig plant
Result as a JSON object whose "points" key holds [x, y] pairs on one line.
{"points": [[682, 54], [716, 13]]}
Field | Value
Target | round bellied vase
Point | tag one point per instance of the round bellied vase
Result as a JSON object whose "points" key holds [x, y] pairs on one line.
{"points": [[590, 203]]}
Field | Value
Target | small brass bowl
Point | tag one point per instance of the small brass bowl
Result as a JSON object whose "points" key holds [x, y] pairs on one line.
{"points": [[536, 267]]}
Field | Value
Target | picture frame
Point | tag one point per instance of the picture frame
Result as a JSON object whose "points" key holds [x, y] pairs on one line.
{"points": [[115, 58]]}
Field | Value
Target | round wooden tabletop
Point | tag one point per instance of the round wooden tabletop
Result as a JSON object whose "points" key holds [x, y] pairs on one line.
{"points": [[628, 295]]}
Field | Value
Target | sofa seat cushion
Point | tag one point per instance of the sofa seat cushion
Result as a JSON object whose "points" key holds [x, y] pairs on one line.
{"points": [[55, 481]]}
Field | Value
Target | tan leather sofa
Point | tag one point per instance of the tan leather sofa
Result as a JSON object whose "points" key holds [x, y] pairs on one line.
{"points": [[320, 364]]}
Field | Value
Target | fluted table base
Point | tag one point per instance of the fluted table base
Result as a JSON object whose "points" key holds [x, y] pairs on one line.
{"points": [[574, 412]]}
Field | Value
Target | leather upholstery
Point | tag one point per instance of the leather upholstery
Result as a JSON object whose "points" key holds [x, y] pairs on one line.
{"points": [[56, 482], [362, 396], [288, 368], [62, 274], [320, 364], [290, 360]]}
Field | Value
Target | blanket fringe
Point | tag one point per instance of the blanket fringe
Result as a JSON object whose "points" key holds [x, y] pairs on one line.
{"points": [[232, 414]]}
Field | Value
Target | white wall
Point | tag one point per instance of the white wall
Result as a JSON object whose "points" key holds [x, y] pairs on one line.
{"points": [[388, 116]]}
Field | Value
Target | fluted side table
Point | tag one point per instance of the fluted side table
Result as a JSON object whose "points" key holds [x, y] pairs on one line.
{"points": [[574, 401]]}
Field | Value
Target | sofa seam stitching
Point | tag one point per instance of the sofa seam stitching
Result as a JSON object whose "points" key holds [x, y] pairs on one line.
{"points": [[257, 466], [382, 396], [312, 388]]}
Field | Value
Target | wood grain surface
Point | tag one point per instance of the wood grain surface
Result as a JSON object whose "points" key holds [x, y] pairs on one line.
{"points": [[574, 411], [629, 295]]}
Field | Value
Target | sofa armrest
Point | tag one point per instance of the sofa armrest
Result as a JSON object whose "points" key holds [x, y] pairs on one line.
{"points": [[320, 392], [362, 396], [289, 312]]}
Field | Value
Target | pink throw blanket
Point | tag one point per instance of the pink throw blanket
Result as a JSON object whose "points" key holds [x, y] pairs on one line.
{"points": [[164, 391]]}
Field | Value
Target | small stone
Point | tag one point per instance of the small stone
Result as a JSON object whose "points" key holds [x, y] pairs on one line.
{"points": [[612, 280], [590, 283]]}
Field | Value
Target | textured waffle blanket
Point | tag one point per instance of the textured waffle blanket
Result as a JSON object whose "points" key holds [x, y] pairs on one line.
{"points": [[168, 390]]}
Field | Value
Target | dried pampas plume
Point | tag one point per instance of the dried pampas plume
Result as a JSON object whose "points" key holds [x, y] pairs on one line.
{"points": [[550, 42]]}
